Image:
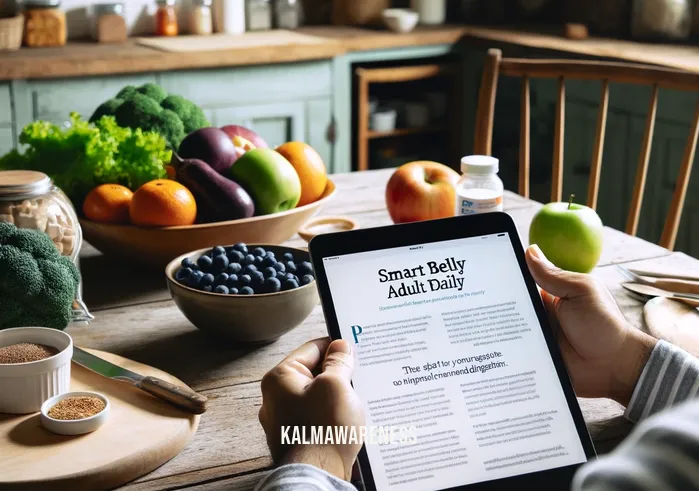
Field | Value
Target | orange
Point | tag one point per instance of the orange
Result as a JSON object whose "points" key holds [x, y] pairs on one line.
{"points": [[108, 203], [163, 203], [310, 168]]}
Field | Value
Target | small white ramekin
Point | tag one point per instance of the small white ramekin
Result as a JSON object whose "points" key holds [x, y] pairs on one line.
{"points": [[25, 386], [73, 426]]}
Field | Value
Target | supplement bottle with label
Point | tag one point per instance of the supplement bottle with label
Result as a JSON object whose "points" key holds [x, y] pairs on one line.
{"points": [[480, 189]]}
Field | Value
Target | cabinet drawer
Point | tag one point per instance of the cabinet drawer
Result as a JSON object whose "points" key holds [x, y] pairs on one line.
{"points": [[5, 105]]}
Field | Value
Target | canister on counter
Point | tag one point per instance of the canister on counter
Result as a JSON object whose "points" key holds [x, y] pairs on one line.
{"points": [[110, 24], [258, 15], [201, 22], [166, 18], [45, 23]]}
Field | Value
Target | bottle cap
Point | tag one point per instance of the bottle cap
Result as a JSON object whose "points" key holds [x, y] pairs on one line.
{"points": [[479, 164]]}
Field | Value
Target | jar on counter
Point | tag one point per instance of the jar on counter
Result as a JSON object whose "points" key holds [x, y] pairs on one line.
{"points": [[288, 14], [479, 190], [44, 23], [201, 19], [259, 15], [110, 24], [229, 16], [662, 19], [166, 18], [29, 199], [432, 12]]}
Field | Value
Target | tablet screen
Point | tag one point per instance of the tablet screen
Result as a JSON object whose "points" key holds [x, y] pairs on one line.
{"points": [[452, 360]]}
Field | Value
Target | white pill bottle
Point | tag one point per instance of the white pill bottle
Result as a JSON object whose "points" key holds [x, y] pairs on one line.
{"points": [[480, 189]]}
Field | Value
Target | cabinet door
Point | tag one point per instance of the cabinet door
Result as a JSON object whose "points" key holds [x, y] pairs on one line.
{"points": [[7, 142], [276, 123]]}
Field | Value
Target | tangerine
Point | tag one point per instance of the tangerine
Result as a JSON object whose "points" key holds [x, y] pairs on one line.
{"points": [[310, 168], [163, 203], [108, 203]]}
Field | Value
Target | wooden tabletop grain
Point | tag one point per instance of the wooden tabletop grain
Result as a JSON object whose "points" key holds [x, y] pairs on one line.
{"points": [[135, 318]]}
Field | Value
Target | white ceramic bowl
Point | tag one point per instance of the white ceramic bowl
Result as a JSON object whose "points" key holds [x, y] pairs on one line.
{"points": [[384, 120], [400, 20], [25, 386], [73, 426]]}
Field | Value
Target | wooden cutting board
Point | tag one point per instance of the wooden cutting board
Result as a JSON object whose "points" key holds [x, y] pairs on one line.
{"points": [[674, 322], [215, 42], [141, 434]]}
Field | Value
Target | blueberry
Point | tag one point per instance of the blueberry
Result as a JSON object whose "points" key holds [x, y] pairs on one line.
{"points": [[249, 269], [257, 278], [207, 288], [233, 291], [291, 266], [304, 268], [194, 279], [288, 256], [272, 285], [221, 279], [220, 264], [259, 260], [223, 289], [281, 275], [232, 281], [289, 285], [288, 276], [280, 267], [204, 262], [187, 263], [307, 278], [240, 246], [269, 254], [269, 261], [218, 251], [269, 272], [235, 256], [246, 290], [206, 280], [182, 274], [234, 268], [244, 280], [259, 251], [249, 259]]}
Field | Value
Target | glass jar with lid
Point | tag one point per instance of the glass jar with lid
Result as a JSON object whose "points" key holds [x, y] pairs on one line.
{"points": [[166, 18], [109, 24], [44, 23], [29, 199], [201, 20], [258, 15], [288, 14]]}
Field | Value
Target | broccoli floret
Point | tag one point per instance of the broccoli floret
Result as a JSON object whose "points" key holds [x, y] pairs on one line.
{"points": [[142, 107], [37, 284], [192, 116], [153, 91], [106, 109], [126, 92]]}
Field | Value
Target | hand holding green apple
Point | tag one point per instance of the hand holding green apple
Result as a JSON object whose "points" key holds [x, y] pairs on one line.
{"points": [[569, 234]]}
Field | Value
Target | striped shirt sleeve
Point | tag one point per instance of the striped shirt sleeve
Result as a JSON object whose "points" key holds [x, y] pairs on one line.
{"points": [[297, 477]]}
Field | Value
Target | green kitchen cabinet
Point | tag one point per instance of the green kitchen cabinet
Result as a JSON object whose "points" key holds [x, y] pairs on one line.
{"points": [[7, 137]]}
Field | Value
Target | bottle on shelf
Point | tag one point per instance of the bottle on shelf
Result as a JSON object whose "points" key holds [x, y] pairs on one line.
{"points": [[200, 18], [166, 18]]}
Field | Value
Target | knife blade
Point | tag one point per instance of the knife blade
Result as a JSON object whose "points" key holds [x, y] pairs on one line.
{"points": [[182, 397]]}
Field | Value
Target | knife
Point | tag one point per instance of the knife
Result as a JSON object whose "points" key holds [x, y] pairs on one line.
{"points": [[670, 276], [182, 397], [690, 288], [647, 292]]}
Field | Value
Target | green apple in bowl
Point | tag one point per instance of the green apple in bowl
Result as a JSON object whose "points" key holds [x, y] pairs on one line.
{"points": [[569, 234], [269, 178]]}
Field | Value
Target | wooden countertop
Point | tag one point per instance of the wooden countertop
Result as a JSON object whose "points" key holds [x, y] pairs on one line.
{"points": [[85, 59]]}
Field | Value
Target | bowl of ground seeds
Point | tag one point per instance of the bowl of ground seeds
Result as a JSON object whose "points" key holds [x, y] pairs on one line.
{"points": [[34, 366], [75, 413]]}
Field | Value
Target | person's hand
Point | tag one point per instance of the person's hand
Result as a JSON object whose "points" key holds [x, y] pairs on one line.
{"points": [[604, 354], [293, 396]]}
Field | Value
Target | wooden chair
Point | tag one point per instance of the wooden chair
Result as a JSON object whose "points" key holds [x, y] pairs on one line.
{"points": [[606, 72]]}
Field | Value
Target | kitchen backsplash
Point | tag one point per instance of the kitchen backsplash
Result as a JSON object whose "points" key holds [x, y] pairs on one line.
{"points": [[139, 15]]}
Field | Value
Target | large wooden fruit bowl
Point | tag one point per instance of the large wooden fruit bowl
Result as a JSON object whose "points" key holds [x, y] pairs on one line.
{"points": [[156, 247]]}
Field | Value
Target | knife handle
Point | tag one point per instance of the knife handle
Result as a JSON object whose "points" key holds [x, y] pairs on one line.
{"points": [[676, 286], [179, 396]]}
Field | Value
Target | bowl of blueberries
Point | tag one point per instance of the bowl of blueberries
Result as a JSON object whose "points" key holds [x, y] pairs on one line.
{"points": [[244, 293]]}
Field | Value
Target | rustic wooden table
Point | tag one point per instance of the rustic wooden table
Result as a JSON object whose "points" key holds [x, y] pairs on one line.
{"points": [[135, 318]]}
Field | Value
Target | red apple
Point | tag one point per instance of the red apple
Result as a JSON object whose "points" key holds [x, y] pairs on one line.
{"points": [[233, 130], [421, 190]]}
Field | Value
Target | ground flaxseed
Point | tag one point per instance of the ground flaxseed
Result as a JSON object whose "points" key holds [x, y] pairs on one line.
{"points": [[25, 353], [76, 407]]}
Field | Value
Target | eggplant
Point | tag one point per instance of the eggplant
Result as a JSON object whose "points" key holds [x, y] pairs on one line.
{"points": [[218, 198]]}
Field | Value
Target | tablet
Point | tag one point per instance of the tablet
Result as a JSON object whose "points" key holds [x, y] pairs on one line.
{"points": [[461, 377]]}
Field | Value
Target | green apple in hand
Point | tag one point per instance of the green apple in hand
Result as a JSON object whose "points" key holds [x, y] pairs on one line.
{"points": [[569, 234], [269, 178]]}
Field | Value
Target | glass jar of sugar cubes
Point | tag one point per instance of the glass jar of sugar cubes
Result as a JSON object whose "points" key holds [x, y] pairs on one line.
{"points": [[29, 199]]}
